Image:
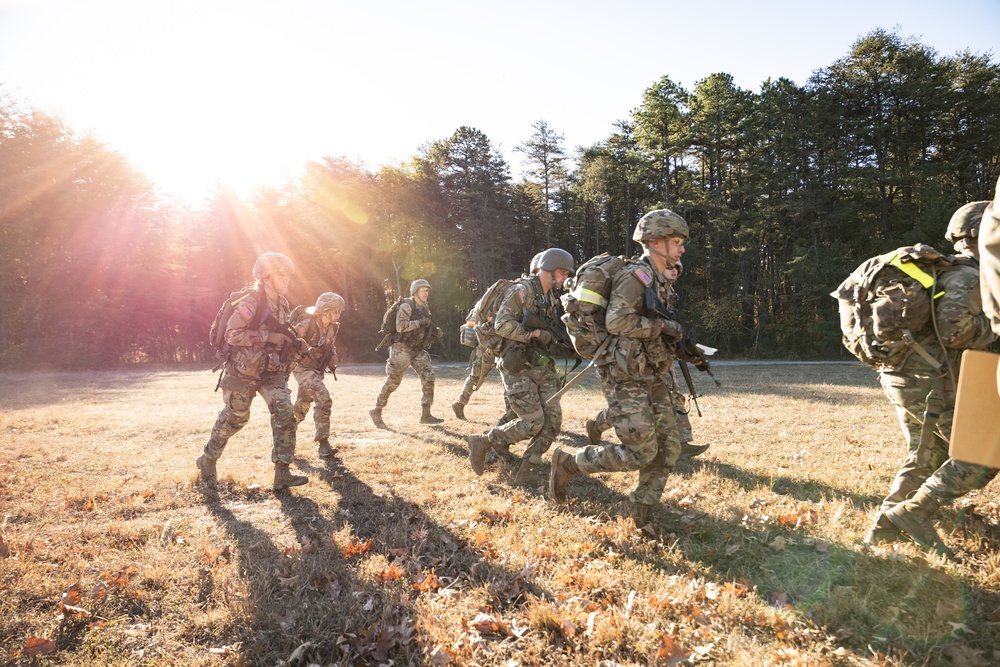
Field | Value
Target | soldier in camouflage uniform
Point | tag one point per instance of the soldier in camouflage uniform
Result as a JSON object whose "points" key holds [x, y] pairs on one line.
{"points": [[317, 325], [414, 331], [255, 366], [527, 368], [602, 421], [634, 373], [916, 388], [481, 362]]}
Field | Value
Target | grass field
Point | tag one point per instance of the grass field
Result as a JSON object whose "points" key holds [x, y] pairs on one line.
{"points": [[111, 552]]}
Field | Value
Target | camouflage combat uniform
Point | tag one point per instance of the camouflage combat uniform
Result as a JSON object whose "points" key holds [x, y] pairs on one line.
{"points": [[407, 350], [635, 378], [255, 368], [309, 370], [916, 385], [528, 373], [602, 421], [480, 365]]}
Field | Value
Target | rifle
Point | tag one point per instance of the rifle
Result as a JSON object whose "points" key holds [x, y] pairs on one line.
{"points": [[561, 339], [286, 330], [686, 348]]}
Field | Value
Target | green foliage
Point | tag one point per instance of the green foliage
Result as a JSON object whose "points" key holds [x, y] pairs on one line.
{"points": [[786, 189]]}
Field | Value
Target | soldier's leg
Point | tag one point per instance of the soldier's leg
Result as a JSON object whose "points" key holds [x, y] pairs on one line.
{"points": [[275, 392], [395, 366], [323, 409], [233, 417], [954, 479], [303, 395], [547, 381], [421, 362], [908, 394], [473, 376], [631, 413], [653, 475], [522, 392]]}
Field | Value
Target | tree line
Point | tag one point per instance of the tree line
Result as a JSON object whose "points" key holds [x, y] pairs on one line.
{"points": [[786, 190]]}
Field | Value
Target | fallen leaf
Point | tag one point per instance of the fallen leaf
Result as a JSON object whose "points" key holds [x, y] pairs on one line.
{"points": [[671, 651], [38, 646], [72, 595], [779, 543]]}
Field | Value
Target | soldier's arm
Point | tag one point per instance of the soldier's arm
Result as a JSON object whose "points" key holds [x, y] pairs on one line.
{"points": [[238, 332], [508, 320], [625, 306], [960, 317], [403, 321]]}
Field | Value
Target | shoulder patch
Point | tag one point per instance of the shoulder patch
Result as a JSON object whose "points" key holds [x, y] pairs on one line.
{"points": [[521, 290], [644, 275], [245, 310], [405, 307]]}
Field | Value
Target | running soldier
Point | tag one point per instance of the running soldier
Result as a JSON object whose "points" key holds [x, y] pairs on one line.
{"points": [[527, 368], [635, 374], [257, 365], [920, 392], [602, 422], [481, 362], [317, 325], [415, 331]]}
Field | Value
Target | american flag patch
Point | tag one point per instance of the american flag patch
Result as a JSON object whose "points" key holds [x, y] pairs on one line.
{"points": [[245, 311], [520, 294], [644, 276]]}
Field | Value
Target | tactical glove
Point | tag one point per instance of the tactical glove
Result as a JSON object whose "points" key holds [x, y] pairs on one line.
{"points": [[671, 330], [438, 333], [544, 337], [276, 339]]}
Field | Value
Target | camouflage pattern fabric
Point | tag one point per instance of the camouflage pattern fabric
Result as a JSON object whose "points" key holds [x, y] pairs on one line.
{"points": [[954, 479], [532, 379], [401, 357], [480, 365], [527, 391], [252, 355], [916, 385], [637, 386], [313, 389], [679, 399], [989, 252], [409, 328], [642, 414], [237, 395]]}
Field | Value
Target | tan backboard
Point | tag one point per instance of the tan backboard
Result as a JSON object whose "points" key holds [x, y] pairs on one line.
{"points": [[975, 433]]}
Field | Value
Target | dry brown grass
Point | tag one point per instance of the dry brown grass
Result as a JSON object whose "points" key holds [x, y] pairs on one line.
{"points": [[398, 554]]}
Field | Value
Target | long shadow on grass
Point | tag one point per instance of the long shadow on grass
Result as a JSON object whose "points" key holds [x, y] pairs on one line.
{"points": [[895, 603], [360, 573]]}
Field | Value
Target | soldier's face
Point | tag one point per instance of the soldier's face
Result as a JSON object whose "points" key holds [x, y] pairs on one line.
{"points": [[280, 283], [560, 276], [675, 248], [670, 272], [422, 294], [328, 317]]}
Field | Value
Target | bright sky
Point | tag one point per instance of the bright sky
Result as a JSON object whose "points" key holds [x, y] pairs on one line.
{"points": [[244, 92]]}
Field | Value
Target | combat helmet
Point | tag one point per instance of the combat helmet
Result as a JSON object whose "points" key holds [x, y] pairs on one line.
{"points": [[660, 224], [417, 284], [555, 258], [271, 263], [964, 224], [329, 301], [533, 267]]}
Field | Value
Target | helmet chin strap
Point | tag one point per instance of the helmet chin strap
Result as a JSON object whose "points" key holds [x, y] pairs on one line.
{"points": [[669, 262]]}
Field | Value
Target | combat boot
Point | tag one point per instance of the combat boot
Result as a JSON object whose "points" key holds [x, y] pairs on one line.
{"points": [[283, 478], [376, 415], [325, 450], [527, 473], [427, 418], [459, 410], [593, 433], [641, 515], [915, 517], [564, 469], [882, 530], [690, 451], [206, 468], [478, 446]]}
